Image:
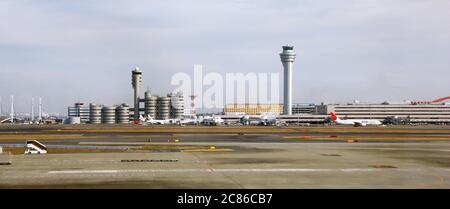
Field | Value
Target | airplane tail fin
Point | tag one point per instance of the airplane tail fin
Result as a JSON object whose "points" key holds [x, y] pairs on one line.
{"points": [[334, 116]]}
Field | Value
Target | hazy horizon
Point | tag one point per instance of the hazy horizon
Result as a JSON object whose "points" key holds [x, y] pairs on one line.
{"points": [[84, 51]]}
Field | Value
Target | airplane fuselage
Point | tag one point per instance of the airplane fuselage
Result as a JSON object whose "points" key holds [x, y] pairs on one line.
{"points": [[355, 122], [358, 122]]}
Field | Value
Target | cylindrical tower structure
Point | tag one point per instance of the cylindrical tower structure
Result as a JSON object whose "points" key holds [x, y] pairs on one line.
{"points": [[123, 114], [162, 108], [109, 115], [95, 113], [287, 58], [152, 106], [147, 103], [176, 105], [136, 80]]}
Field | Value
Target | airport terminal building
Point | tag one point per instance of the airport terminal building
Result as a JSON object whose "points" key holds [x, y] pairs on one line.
{"points": [[433, 112], [415, 113], [253, 109], [277, 109]]}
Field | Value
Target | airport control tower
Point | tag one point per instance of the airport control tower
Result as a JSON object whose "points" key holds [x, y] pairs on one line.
{"points": [[287, 58], [136, 80]]}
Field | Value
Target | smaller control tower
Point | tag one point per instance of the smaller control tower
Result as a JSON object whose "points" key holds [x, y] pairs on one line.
{"points": [[136, 81]]}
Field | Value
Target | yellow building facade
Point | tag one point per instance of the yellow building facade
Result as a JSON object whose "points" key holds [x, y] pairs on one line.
{"points": [[254, 109]]}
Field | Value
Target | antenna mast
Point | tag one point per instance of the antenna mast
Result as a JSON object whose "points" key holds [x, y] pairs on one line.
{"points": [[40, 109], [12, 109], [32, 110]]}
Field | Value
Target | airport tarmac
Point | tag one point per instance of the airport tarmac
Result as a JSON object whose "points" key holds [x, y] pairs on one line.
{"points": [[230, 157]]}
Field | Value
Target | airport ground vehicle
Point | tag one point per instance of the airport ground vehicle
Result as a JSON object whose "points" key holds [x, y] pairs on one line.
{"points": [[35, 147]]}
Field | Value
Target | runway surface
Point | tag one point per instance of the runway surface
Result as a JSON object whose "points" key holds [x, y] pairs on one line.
{"points": [[228, 157]]}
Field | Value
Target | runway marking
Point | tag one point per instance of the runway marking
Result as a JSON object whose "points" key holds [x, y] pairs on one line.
{"points": [[228, 134], [128, 171], [403, 149], [154, 172], [219, 170], [370, 137]]}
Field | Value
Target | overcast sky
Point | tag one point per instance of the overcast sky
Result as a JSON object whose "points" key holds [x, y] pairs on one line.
{"points": [[370, 50]]}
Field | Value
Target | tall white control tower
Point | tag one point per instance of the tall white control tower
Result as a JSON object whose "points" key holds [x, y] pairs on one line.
{"points": [[287, 58], [136, 81]]}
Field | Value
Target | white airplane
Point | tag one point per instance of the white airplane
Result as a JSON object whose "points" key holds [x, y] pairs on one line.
{"points": [[193, 121], [263, 120], [213, 121], [355, 122], [150, 120], [141, 118], [267, 120]]}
